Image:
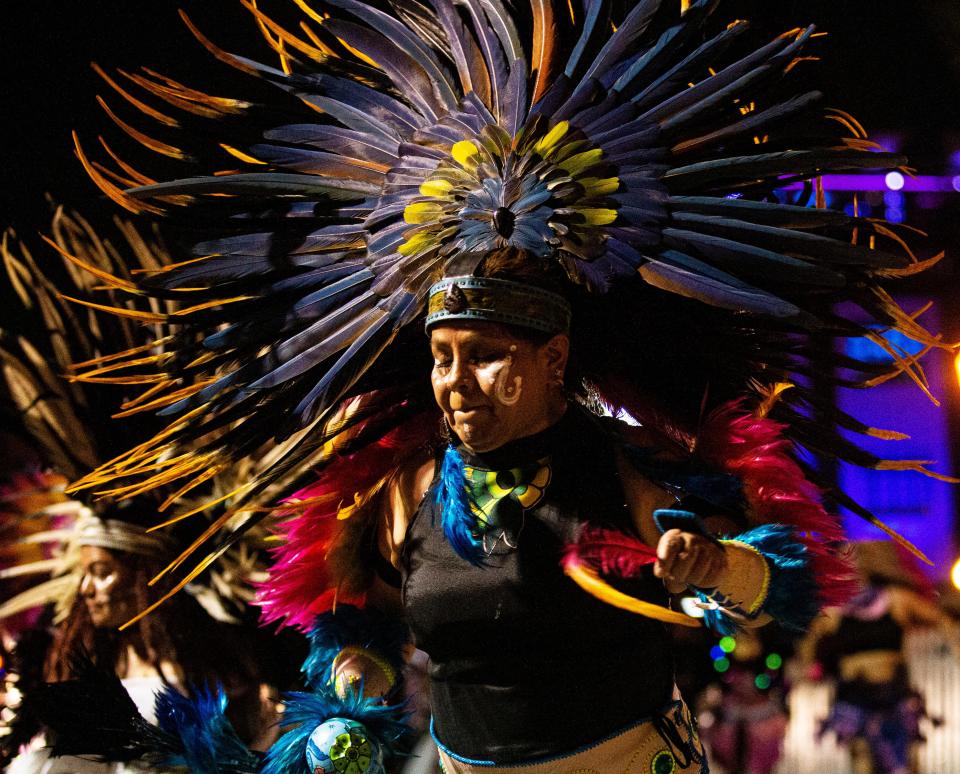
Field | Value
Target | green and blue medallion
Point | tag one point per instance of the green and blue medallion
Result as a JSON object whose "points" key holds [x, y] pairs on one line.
{"points": [[499, 497]]}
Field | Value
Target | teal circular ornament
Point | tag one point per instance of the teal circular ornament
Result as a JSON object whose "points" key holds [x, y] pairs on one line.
{"points": [[663, 763], [343, 746]]}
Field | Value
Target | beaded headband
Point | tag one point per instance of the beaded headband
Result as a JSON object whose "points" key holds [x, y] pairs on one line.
{"points": [[497, 300]]}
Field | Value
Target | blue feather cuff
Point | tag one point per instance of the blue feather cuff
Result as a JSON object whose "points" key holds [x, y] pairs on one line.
{"points": [[304, 713], [789, 594], [349, 626]]}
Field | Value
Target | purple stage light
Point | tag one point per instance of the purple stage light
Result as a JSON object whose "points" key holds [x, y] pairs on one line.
{"points": [[879, 183]]}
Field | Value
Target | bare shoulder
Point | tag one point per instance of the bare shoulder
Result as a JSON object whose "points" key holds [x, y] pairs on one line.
{"points": [[404, 491]]}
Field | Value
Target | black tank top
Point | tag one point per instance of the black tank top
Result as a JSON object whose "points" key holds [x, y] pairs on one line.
{"points": [[524, 663]]}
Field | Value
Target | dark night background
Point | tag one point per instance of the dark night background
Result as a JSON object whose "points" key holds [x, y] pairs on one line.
{"points": [[889, 62]]}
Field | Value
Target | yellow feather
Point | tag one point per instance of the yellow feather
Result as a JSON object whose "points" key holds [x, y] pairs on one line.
{"points": [[548, 143], [463, 152], [599, 186], [590, 582], [582, 161], [422, 212], [152, 317], [436, 188], [419, 241], [238, 154], [599, 216]]}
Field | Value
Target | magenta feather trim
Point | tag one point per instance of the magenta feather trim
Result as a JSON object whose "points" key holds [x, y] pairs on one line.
{"points": [[302, 583], [755, 450], [609, 552]]}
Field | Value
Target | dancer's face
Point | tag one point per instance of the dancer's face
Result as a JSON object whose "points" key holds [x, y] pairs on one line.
{"points": [[493, 387], [107, 587]]}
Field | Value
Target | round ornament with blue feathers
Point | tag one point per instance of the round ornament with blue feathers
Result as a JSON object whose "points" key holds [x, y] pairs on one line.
{"points": [[343, 746]]}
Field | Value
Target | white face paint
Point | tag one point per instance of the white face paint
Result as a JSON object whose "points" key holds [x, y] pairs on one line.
{"points": [[106, 586], [506, 390]]}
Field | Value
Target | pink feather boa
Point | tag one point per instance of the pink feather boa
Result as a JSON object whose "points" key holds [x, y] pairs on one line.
{"points": [[302, 582], [754, 449]]}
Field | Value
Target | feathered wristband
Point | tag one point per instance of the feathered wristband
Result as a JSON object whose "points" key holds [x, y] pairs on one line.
{"points": [[769, 572], [353, 632]]}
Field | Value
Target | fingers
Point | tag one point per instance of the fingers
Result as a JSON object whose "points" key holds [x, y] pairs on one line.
{"points": [[687, 559]]}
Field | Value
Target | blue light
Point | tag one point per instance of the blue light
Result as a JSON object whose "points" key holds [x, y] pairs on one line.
{"points": [[717, 652], [866, 351], [893, 199]]}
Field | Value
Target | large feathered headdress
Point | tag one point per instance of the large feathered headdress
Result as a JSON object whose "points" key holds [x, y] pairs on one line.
{"points": [[654, 155]]}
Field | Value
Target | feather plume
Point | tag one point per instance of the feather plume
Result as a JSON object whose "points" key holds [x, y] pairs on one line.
{"points": [[209, 743]]}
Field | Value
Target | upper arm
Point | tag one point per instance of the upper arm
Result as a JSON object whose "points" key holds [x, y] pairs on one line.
{"points": [[643, 498], [401, 499]]}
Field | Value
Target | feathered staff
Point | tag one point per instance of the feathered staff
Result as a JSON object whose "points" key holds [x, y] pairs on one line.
{"points": [[646, 154]]}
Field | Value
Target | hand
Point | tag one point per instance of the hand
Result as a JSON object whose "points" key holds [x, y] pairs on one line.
{"points": [[685, 559]]}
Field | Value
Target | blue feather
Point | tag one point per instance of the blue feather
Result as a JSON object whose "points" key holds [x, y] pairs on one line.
{"points": [[491, 47], [750, 67], [314, 162], [266, 183], [456, 511], [210, 743], [408, 74], [349, 625], [406, 41], [794, 596], [793, 599], [595, 28], [464, 50], [374, 335], [337, 139], [678, 77], [303, 712], [627, 34], [725, 295], [513, 109]]}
